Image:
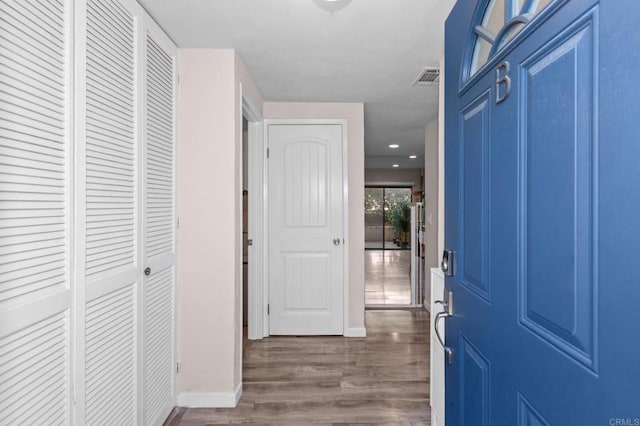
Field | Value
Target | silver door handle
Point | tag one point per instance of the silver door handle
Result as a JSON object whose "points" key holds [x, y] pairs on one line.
{"points": [[447, 305], [336, 241], [447, 350]]}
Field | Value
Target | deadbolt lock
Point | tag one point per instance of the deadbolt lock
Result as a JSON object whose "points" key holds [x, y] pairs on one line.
{"points": [[447, 263]]}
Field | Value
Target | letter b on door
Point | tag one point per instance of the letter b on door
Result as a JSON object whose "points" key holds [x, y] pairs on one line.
{"points": [[503, 82]]}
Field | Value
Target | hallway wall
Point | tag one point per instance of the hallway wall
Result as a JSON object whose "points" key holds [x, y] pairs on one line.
{"points": [[354, 114], [431, 192], [209, 290]]}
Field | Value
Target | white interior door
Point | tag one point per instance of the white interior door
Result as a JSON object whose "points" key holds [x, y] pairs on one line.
{"points": [[306, 236], [159, 227], [35, 211]]}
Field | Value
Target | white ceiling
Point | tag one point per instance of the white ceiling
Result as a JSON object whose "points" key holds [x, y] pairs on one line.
{"points": [[368, 51]]}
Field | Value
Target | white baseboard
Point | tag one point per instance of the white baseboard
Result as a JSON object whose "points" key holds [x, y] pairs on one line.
{"points": [[435, 419], [355, 332], [210, 399]]}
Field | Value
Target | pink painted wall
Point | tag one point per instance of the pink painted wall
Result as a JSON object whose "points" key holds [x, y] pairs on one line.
{"points": [[209, 290], [431, 187], [354, 114]]}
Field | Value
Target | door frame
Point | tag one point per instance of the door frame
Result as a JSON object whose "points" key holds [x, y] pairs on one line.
{"points": [[265, 223], [256, 152]]}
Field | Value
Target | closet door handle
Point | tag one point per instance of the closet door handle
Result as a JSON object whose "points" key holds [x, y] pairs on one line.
{"points": [[147, 271]]}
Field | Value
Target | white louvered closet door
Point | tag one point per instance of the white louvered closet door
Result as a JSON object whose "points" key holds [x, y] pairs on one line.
{"points": [[111, 227], [35, 206], [159, 226], [87, 202]]}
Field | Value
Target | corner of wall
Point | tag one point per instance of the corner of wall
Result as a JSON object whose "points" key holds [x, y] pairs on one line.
{"points": [[355, 332], [210, 399], [205, 323]]}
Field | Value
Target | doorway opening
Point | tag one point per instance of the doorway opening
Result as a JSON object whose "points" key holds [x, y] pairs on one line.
{"points": [[252, 237], [387, 212], [245, 231], [388, 237]]}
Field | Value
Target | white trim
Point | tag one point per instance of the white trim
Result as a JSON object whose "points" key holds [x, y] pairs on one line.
{"points": [[345, 214], [255, 177], [210, 399], [176, 208], [265, 229], [355, 332], [141, 134], [441, 164], [391, 184], [345, 227], [413, 243], [76, 191], [249, 109]]}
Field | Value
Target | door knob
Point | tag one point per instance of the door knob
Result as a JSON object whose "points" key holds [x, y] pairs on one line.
{"points": [[336, 241], [147, 271]]}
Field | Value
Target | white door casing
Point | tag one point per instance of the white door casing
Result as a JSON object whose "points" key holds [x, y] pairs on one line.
{"points": [[256, 217], [306, 228]]}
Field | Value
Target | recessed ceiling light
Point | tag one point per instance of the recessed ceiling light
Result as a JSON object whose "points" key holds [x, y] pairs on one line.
{"points": [[396, 165], [394, 146], [413, 156]]}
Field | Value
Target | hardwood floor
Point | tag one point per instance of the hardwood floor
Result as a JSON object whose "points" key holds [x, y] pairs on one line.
{"points": [[387, 277], [380, 379]]}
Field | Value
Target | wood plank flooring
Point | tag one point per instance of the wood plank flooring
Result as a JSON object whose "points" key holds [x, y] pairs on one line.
{"points": [[387, 277], [380, 379]]}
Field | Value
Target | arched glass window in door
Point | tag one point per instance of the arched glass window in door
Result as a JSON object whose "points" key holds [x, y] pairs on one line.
{"points": [[501, 21]]}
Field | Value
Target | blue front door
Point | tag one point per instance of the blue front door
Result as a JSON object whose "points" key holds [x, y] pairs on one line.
{"points": [[542, 207]]}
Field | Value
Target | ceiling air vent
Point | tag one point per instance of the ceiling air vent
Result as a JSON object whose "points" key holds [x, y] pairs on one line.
{"points": [[427, 77]]}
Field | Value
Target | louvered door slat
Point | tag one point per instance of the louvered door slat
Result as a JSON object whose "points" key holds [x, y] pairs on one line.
{"points": [[31, 234], [111, 203], [106, 123], [34, 43], [33, 368], [28, 147], [14, 51], [158, 342], [110, 130], [110, 356], [160, 156], [34, 206]]}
